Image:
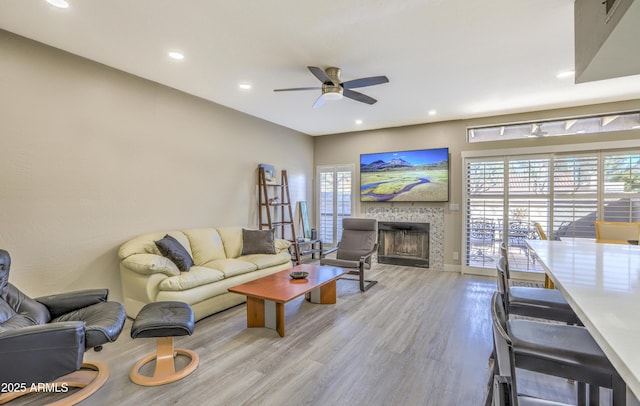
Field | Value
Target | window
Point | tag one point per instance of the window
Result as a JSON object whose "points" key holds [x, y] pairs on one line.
{"points": [[621, 187], [555, 128], [575, 204], [565, 193], [335, 189]]}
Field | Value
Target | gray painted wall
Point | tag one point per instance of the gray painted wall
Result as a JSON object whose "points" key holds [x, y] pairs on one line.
{"points": [[92, 157]]}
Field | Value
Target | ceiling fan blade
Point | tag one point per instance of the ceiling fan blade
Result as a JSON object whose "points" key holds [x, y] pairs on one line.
{"points": [[358, 96], [296, 88], [319, 102], [320, 74], [373, 80]]}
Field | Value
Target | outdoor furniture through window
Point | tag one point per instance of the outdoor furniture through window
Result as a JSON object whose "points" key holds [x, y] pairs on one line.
{"points": [[482, 238], [520, 231]]}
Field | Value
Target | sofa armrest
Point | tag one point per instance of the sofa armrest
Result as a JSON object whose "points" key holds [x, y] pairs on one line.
{"points": [[41, 353], [281, 245], [149, 264], [63, 303]]}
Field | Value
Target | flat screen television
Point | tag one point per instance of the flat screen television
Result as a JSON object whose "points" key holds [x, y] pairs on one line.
{"points": [[405, 176]]}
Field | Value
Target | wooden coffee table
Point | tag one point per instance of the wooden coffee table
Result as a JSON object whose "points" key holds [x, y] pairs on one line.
{"points": [[266, 296]]}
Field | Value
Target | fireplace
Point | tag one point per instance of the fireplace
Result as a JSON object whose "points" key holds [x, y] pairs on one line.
{"points": [[403, 243]]}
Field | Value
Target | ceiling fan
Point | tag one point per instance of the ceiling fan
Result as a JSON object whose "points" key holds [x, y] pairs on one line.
{"points": [[536, 131], [334, 89]]}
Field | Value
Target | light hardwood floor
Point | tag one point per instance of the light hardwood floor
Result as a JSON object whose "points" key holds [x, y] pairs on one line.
{"points": [[418, 337]]}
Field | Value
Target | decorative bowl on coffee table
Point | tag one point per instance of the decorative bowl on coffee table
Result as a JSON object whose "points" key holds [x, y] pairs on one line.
{"points": [[299, 274]]}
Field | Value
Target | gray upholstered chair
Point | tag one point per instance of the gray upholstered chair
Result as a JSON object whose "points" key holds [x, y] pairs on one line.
{"points": [[542, 303], [43, 340], [505, 387], [355, 249], [553, 349]]}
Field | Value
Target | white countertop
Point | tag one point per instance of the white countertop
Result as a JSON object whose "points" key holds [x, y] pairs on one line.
{"points": [[601, 282]]}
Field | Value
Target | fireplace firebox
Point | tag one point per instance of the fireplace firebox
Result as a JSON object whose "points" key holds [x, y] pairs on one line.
{"points": [[403, 243]]}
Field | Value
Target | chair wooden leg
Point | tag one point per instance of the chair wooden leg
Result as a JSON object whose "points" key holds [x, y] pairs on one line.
{"points": [[548, 283], [89, 378], [165, 371]]}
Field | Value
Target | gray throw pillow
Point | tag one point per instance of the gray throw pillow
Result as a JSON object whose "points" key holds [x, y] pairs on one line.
{"points": [[170, 247], [258, 242]]}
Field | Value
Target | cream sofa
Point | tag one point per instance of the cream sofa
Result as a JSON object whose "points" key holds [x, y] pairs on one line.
{"points": [[148, 277]]}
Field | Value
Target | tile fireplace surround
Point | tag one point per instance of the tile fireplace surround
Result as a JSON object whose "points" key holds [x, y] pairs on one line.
{"points": [[433, 216]]}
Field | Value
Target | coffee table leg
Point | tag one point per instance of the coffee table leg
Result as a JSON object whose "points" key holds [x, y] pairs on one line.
{"points": [[255, 312], [280, 318], [325, 294], [265, 313]]}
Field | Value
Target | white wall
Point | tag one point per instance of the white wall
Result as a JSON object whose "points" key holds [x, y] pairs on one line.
{"points": [[91, 156]]}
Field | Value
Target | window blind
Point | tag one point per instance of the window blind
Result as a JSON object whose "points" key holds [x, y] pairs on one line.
{"points": [[564, 193]]}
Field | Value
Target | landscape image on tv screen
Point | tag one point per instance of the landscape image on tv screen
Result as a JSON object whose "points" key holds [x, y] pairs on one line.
{"points": [[405, 176]]}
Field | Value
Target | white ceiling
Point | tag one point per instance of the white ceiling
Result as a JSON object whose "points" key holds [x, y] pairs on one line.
{"points": [[461, 58]]}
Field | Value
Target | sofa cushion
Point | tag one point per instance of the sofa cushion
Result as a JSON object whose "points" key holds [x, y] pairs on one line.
{"points": [[170, 247], [263, 261], [232, 240], [197, 276], [206, 245], [231, 266], [258, 242]]}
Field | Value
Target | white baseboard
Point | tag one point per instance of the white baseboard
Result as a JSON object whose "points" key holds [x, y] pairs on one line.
{"points": [[480, 271], [452, 268]]}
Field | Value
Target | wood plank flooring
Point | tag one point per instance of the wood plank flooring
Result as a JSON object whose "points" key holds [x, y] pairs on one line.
{"points": [[418, 337]]}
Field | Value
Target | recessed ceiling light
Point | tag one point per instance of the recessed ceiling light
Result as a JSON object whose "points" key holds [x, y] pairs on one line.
{"points": [[58, 3], [565, 74], [244, 86], [358, 122], [432, 112], [176, 55]]}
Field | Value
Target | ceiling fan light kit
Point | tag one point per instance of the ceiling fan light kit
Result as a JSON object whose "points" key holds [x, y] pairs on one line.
{"points": [[332, 92], [333, 88]]}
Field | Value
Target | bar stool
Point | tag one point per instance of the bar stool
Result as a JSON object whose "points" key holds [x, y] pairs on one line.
{"points": [[557, 350], [541, 303], [505, 387]]}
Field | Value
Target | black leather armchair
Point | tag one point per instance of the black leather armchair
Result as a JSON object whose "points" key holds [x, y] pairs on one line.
{"points": [[44, 339]]}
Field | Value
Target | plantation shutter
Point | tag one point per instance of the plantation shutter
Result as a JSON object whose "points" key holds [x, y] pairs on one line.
{"points": [[622, 187], [335, 190], [575, 200], [484, 210]]}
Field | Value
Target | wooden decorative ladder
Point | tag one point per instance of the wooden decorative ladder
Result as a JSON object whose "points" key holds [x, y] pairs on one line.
{"points": [[268, 214]]}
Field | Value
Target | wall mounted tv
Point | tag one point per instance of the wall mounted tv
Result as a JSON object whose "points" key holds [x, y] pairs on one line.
{"points": [[405, 176]]}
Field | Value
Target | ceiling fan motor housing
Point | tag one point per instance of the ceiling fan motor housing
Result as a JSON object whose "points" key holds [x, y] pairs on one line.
{"points": [[334, 74], [332, 91]]}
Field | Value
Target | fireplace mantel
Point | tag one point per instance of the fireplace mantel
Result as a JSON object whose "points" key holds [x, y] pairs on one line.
{"points": [[433, 216]]}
